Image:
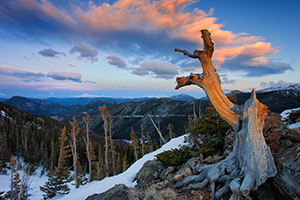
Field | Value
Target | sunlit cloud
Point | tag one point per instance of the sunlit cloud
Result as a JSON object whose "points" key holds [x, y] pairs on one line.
{"points": [[142, 28], [85, 52], [51, 53]]}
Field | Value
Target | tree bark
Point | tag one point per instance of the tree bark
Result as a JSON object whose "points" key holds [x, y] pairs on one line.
{"points": [[251, 162]]}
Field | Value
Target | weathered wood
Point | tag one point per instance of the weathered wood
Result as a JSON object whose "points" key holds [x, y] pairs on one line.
{"points": [[251, 162]]}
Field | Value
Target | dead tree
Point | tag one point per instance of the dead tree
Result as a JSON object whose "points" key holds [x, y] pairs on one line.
{"points": [[86, 140], [251, 162]]}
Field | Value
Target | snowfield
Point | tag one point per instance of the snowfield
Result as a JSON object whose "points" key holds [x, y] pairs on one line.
{"points": [[94, 187]]}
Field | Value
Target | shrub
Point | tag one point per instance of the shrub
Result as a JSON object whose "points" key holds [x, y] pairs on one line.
{"points": [[175, 157]]}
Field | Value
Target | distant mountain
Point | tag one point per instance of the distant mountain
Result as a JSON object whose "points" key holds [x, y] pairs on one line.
{"points": [[90, 108], [134, 114], [277, 99], [294, 87], [85, 100], [36, 106], [181, 97], [2, 99]]}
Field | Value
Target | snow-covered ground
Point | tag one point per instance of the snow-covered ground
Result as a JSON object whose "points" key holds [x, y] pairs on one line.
{"points": [[284, 115], [83, 192]]}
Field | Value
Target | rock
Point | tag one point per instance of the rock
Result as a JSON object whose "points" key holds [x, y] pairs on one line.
{"points": [[287, 180], [294, 134], [165, 172], [119, 192], [149, 173], [273, 130], [271, 121], [182, 173]]}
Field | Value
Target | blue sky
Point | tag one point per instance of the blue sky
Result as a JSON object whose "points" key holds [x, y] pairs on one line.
{"points": [[125, 48]]}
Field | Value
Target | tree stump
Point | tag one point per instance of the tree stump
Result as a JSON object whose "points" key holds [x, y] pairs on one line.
{"points": [[251, 163]]}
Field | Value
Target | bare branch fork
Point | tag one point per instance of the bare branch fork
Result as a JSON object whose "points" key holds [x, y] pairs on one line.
{"points": [[251, 162]]}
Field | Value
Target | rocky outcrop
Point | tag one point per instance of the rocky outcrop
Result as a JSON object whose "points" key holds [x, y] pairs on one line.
{"points": [[149, 173]]}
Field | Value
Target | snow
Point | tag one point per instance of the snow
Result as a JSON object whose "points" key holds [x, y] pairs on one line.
{"points": [[285, 114], [94, 187]]}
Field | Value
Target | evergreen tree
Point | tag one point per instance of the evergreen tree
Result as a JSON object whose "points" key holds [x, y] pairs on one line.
{"points": [[60, 176], [207, 137], [73, 134], [4, 153], [149, 142], [124, 163], [134, 142], [105, 115]]}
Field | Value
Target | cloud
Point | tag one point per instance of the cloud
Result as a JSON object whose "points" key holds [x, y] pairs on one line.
{"points": [[89, 82], [272, 84], [147, 29], [85, 52], [225, 80], [116, 61], [156, 69], [256, 66], [9, 71], [51, 53], [65, 76]]}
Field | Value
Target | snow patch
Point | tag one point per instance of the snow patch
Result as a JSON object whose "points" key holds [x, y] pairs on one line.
{"points": [[286, 113], [94, 187], [126, 177]]}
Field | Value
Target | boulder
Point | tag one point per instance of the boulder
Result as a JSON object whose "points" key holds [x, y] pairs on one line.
{"points": [[119, 192], [150, 172]]}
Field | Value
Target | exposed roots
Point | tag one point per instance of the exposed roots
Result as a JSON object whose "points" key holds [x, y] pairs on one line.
{"points": [[246, 168]]}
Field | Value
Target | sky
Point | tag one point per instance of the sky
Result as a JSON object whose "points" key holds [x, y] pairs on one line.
{"points": [[125, 48]]}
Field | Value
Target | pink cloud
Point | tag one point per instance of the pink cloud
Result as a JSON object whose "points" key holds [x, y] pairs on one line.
{"points": [[143, 23]]}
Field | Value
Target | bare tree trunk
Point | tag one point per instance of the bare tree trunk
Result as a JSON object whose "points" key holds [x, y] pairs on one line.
{"points": [[73, 134], [104, 114], [87, 144], [157, 129], [251, 162]]}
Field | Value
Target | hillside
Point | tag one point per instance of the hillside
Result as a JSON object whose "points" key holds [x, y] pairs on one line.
{"points": [[135, 114]]}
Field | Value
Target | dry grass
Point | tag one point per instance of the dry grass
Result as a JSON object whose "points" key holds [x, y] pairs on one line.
{"points": [[164, 194]]}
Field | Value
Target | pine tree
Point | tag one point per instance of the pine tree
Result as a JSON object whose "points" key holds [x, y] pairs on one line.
{"points": [[134, 142], [124, 163], [4, 153], [112, 148], [150, 143], [60, 176], [142, 139], [105, 115]]}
